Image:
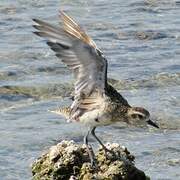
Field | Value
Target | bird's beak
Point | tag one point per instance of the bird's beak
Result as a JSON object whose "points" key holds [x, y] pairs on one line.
{"points": [[152, 123]]}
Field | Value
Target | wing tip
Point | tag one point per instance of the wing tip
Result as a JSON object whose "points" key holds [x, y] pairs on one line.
{"points": [[37, 33], [35, 26], [36, 20], [50, 43], [62, 13]]}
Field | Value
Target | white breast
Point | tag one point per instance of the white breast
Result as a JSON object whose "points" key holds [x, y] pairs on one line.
{"points": [[95, 118]]}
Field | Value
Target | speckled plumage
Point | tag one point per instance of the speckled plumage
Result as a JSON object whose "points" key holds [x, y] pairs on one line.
{"points": [[95, 102], [116, 108]]}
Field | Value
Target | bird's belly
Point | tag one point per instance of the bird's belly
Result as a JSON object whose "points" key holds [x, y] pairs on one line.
{"points": [[95, 118]]}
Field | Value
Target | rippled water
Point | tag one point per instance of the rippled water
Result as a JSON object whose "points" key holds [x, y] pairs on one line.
{"points": [[141, 40]]}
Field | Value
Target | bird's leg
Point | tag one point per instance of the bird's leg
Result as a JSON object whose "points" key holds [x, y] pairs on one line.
{"points": [[103, 146], [89, 149]]}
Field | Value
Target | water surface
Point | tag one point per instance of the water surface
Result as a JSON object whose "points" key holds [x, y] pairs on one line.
{"points": [[141, 40]]}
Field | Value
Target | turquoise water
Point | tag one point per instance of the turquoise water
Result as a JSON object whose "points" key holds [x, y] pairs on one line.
{"points": [[141, 40]]}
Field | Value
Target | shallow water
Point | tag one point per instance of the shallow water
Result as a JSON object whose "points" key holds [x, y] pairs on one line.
{"points": [[141, 40]]}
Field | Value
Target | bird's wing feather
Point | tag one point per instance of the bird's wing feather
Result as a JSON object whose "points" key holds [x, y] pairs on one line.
{"points": [[79, 52]]}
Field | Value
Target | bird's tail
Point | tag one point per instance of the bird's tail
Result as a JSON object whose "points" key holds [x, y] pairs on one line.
{"points": [[63, 111]]}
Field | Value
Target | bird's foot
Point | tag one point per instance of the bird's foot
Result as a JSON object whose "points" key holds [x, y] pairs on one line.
{"points": [[92, 157], [113, 155], [109, 153], [93, 164]]}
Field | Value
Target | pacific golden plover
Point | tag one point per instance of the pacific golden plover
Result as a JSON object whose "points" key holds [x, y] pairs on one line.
{"points": [[95, 102]]}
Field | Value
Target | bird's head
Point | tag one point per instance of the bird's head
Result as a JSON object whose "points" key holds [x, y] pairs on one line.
{"points": [[140, 116]]}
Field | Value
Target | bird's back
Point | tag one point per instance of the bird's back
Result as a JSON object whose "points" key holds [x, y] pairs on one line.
{"points": [[116, 96]]}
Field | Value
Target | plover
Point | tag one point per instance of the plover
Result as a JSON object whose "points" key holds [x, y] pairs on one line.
{"points": [[95, 103]]}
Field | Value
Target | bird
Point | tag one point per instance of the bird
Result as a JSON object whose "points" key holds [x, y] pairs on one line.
{"points": [[95, 102]]}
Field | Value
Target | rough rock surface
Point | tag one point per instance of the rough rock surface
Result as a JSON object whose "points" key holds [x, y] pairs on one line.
{"points": [[70, 161]]}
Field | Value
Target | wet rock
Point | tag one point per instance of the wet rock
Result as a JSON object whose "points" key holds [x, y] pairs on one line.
{"points": [[173, 162], [38, 92], [70, 161], [150, 35]]}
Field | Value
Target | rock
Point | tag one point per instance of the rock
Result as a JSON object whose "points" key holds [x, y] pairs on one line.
{"points": [[70, 161]]}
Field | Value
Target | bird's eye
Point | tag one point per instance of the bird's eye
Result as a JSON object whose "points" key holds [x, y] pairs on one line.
{"points": [[134, 116], [140, 116]]}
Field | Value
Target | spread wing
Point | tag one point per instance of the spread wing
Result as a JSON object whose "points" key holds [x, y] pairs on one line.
{"points": [[79, 52]]}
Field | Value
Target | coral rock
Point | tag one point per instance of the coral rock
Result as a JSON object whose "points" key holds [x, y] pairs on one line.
{"points": [[70, 161]]}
